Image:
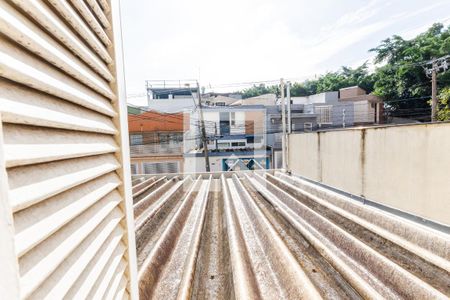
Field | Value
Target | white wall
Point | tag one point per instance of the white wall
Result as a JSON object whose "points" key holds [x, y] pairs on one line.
{"points": [[239, 127], [197, 164], [212, 119]]}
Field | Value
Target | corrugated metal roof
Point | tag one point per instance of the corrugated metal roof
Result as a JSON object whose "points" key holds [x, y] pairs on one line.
{"points": [[269, 235]]}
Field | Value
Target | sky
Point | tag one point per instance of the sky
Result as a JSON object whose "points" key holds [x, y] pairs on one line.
{"points": [[224, 44]]}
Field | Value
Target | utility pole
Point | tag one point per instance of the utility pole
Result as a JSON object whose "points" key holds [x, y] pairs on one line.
{"points": [[437, 65], [203, 129], [215, 136], [433, 94], [288, 95], [283, 122]]}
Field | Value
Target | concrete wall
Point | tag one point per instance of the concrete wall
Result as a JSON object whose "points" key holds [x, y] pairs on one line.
{"points": [[404, 167], [171, 105]]}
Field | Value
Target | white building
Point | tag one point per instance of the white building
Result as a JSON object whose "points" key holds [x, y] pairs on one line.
{"points": [[230, 127]]}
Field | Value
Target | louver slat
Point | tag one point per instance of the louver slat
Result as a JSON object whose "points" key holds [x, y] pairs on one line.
{"points": [[26, 145], [63, 208], [74, 266], [99, 13], [19, 66], [84, 285], [76, 21], [17, 27], [91, 20], [44, 16], [35, 268], [19, 105], [54, 178]]}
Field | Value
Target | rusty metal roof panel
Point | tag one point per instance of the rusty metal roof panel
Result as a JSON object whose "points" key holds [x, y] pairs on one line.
{"points": [[269, 235]]}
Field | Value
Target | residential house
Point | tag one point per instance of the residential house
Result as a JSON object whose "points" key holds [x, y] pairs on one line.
{"points": [[156, 142], [329, 111], [266, 100], [227, 160], [236, 139], [134, 110], [217, 100], [171, 96], [170, 89], [346, 107], [368, 108], [300, 122]]}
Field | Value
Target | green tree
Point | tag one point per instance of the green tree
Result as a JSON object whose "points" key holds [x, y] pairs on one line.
{"points": [[402, 81], [444, 105], [261, 89], [333, 81]]}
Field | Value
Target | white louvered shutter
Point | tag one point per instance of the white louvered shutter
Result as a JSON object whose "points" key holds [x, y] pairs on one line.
{"points": [[66, 214]]}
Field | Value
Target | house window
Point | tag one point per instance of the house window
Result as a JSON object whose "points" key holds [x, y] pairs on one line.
{"points": [[232, 119], [324, 114], [136, 139]]}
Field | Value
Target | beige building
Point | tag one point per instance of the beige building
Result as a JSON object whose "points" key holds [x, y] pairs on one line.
{"points": [[368, 108], [156, 142]]}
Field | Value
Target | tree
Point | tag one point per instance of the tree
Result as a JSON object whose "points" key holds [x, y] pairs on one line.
{"points": [[401, 81], [444, 105], [261, 89]]}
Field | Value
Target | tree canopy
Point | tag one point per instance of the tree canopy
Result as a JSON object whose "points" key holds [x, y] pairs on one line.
{"points": [[402, 81]]}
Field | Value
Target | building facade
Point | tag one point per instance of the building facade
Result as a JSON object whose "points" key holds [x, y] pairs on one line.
{"points": [[236, 138], [156, 142]]}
